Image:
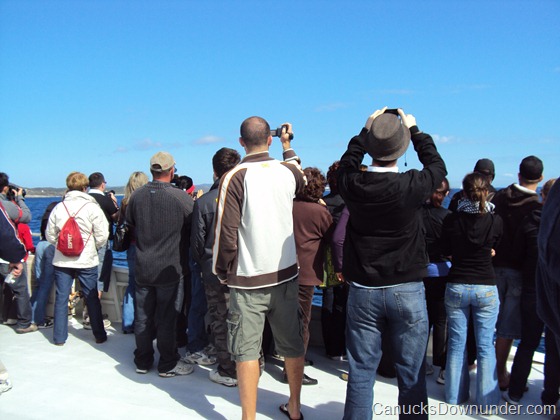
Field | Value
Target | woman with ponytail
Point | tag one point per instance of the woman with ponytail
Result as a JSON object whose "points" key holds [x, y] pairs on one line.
{"points": [[469, 237]]}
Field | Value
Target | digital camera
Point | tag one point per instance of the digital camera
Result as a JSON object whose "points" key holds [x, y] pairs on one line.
{"points": [[278, 132]]}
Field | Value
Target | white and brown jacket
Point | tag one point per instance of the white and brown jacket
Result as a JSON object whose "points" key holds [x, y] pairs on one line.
{"points": [[254, 243]]}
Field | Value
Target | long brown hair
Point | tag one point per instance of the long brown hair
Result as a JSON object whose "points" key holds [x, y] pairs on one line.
{"points": [[475, 188]]}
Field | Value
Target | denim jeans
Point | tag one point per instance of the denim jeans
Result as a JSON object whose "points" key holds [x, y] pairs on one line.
{"points": [[64, 277], [21, 296], [156, 317], [400, 314], [128, 299], [44, 273], [197, 335], [483, 302]]}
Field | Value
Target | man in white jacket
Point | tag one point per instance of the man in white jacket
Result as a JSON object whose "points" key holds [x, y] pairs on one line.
{"points": [[95, 232]]}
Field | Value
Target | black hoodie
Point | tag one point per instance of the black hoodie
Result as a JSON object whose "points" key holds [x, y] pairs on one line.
{"points": [[512, 204], [469, 240]]}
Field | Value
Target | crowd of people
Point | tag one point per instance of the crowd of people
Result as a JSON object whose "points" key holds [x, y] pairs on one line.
{"points": [[215, 272]]}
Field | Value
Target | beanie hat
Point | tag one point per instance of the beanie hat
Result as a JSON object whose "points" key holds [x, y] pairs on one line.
{"points": [[388, 138]]}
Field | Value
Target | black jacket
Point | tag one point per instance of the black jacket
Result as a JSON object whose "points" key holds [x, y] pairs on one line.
{"points": [[385, 243], [432, 218], [525, 248], [202, 232], [548, 267], [512, 204], [469, 240]]}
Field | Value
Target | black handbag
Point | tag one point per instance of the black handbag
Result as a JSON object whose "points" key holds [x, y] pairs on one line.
{"points": [[122, 237]]}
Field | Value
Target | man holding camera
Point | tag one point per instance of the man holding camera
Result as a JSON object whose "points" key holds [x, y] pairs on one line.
{"points": [[384, 258], [18, 212], [259, 265]]}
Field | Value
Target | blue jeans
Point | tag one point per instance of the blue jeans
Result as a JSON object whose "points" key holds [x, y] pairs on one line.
{"points": [[483, 302], [44, 273], [21, 296], [400, 314], [64, 278], [128, 300], [197, 336]]}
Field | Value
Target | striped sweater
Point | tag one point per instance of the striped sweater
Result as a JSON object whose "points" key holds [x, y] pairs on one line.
{"points": [[161, 215]]}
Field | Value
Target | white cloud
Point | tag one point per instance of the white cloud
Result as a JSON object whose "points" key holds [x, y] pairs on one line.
{"points": [[208, 140], [508, 175], [443, 139], [147, 144]]}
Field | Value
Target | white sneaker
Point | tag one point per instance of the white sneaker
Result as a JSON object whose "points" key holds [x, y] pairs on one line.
{"points": [[181, 368], [199, 358], [215, 376], [429, 369], [5, 385], [87, 324], [210, 350], [441, 377], [510, 400]]}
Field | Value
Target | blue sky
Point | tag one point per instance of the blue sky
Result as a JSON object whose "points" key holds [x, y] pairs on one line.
{"points": [[103, 85]]}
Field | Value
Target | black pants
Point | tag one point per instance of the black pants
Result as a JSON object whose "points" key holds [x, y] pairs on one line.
{"points": [[156, 317], [550, 395], [437, 318], [333, 319]]}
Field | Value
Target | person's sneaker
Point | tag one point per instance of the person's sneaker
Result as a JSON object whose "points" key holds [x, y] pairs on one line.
{"points": [[441, 377], [47, 324], [429, 369], [106, 323], [181, 368], [215, 376], [199, 358], [509, 399], [31, 328], [10, 321], [141, 371], [305, 381], [210, 350], [5, 385], [342, 358]]}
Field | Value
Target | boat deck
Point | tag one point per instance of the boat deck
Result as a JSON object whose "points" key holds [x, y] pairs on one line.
{"points": [[98, 381]]}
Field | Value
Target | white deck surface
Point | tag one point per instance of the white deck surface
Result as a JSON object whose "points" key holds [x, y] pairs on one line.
{"points": [[83, 380]]}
